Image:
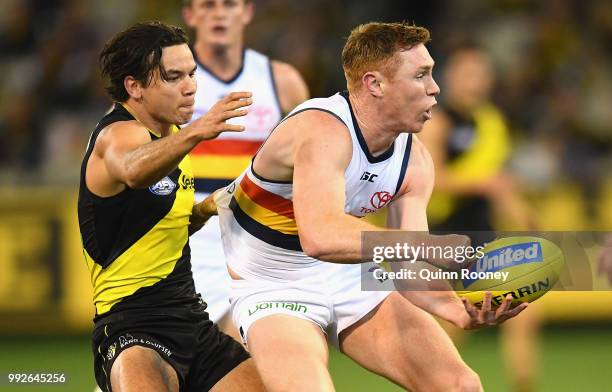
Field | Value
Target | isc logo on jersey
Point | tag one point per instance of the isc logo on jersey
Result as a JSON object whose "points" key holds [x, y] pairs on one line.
{"points": [[163, 187], [508, 256]]}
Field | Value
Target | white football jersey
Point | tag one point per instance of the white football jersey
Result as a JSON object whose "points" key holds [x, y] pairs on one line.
{"points": [[260, 235], [219, 161], [254, 76]]}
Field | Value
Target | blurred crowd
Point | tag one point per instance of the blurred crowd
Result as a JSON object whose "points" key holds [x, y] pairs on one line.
{"points": [[554, 64], [553, 60]]}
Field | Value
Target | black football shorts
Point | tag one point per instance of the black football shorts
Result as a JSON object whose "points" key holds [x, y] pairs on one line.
{"points": [[183, 337]]}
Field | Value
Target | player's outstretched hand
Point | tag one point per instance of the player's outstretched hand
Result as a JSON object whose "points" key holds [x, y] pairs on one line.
{"points": [[485, 316], [202, 212], [210, 125]]}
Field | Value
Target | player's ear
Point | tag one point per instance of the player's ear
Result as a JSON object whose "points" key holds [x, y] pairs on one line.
{"points": [[249, 11], [373, 82], [132, 87]]}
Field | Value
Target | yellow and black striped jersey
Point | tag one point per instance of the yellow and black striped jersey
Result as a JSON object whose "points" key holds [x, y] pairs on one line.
{"points": [[135, 243]]}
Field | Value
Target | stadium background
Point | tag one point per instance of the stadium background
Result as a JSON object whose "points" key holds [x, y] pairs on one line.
{"points": [[554, 62]]}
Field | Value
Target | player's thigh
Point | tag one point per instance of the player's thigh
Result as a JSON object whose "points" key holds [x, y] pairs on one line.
{"points": [[142, 369], [403, 343], [290, 353], [243, 378], [226, 325]]}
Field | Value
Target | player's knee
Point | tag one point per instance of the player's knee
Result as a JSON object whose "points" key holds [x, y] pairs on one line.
{"points": [[467, 381], [455, 380], [464, 380]]}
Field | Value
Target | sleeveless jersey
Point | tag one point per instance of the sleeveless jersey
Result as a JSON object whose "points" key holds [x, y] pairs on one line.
{"points": [[257, 220], [217, 162], [136, 243]]}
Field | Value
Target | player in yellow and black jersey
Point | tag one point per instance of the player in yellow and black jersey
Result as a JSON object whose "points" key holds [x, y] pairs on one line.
{"points": [[136, 211], [135, 242]]}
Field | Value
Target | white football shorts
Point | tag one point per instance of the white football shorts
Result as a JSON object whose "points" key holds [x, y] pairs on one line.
{"points": [[332, 298]]}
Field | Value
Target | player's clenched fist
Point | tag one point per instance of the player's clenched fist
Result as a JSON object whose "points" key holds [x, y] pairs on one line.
{"points": [[210, 125]]}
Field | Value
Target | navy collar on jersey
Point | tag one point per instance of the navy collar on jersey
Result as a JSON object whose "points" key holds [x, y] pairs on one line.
{"points": [[211, 73], [362, 143]]}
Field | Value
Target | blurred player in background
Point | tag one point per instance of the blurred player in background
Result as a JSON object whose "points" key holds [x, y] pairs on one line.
{"points": [[292, 233], [136, 210], [224, 65], [605, 258], [470, 143]]}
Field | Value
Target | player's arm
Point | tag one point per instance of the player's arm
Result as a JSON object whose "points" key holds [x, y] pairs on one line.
{"points": [[202, 212], [291, 88], [322, 153], [409, 213], [130, 157]]}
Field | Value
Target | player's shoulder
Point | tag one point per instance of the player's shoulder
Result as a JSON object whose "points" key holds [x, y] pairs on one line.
{"points": [[334, 106], [315, 127], [125, 131], [320, 136], [286, 75], [316, 119], [123, 128]]}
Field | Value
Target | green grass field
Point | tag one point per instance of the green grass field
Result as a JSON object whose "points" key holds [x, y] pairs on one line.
{"points": [[573, 359]]}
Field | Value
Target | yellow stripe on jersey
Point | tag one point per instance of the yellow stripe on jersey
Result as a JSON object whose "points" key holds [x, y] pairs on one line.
{"points": [[219, 167], [266, 217]]}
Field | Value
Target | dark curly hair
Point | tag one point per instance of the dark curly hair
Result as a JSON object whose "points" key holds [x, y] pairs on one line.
{"points": [[137, 52]]}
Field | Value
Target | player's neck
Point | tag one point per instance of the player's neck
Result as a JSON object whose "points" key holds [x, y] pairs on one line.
{"points": [[224, 62], [373, 128], [144, 117]]}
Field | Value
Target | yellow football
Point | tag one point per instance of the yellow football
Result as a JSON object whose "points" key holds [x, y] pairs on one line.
{"points": [[524, 267]]}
